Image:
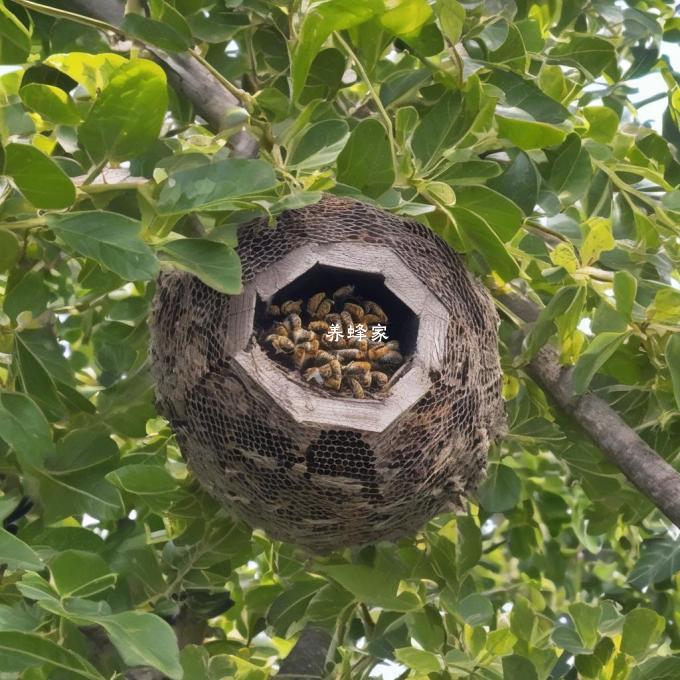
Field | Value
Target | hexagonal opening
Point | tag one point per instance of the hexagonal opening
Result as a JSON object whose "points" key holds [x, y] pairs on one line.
{"points": [[402, 324]]}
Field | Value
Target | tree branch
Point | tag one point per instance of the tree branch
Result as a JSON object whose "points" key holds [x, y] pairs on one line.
{"points": [[308, 657], [645, 469]]}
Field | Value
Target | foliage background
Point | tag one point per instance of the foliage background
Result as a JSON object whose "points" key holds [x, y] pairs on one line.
{"points": [[512, 130]]}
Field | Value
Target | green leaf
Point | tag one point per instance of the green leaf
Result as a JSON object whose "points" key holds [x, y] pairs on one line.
{"points": [[529, 134], [77, 493], [659, 560], [110, 238], [144, 639], [366, 160], [82, 450], [673, 361], [10, 249], [571, 171], [143, 479], [419, 659], [587, 619], [469, 544], [476, 610], [372, 586], [590, 53], [641, 630], [38, 177], [77, 573], [318, 23], [92, 71], [451, 15], [603, 123], [52, 103], [157, 33], [524, 94], [426, 626], [501, 489], [318, 145], [29, 293], [290, 606], [563, 255], [501, 214], [601, 348], [214, 186], [28, 650], [24, 428], [625, 288], [519, 667], [406, 17], [477, 232], [36, 380], [519, 182], [127, 116], [216, 264], [437, 130], [598, 239], [15, 38], [16, 554]]}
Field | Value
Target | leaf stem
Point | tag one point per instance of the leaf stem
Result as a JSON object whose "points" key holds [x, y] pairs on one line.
{"points": [[244, 97], [650, 100], [24, 224]]}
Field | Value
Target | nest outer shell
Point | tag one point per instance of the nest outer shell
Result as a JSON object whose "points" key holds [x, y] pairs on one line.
{"points": [[328, 488]]}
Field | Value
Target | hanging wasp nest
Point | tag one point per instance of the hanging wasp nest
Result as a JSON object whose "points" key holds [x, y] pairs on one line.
{"points": [[350, 393]]}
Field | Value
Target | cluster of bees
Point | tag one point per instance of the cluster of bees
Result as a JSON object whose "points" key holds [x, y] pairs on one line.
{"points": [[336, 342]]}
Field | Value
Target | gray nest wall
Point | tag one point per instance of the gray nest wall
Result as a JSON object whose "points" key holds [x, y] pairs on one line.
{"points": [[310, 467]]}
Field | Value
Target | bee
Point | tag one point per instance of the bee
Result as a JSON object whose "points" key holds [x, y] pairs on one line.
{"points": [[347, 322], [280, 344], [300, 357], [332, 383], [370, 319], [280, 329], [379, 379], [273, 310], [291, 306], [314, 302], [375, 309], [358, 343], [313, 374], [356, 311], [392, 357], [318, 326], [328, 343], [302, 335], [374, 353], [344, 292], [293, 321], [323, 357], [336, 369], [323, 309], [357, 367], [393, 344], [310, 346], [350, 354], [357, 389], [333, 318]]}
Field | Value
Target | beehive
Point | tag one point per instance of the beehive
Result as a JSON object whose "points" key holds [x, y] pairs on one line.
{"points": [[310, 467]]}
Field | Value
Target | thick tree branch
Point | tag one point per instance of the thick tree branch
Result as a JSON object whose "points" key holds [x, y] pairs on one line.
{"points": [[645, 468], [307, 658]]}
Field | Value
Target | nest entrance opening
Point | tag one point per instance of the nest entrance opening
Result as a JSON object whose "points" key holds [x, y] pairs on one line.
{"points": [[375, 332]]}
